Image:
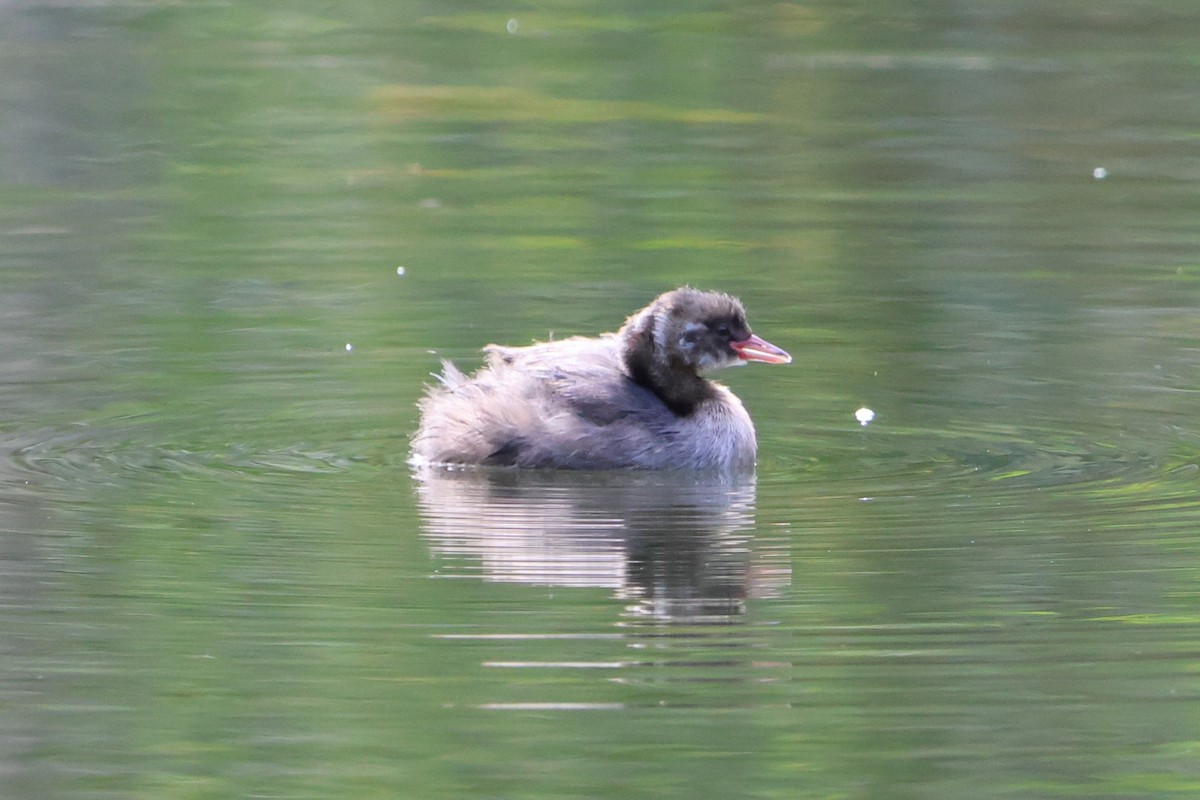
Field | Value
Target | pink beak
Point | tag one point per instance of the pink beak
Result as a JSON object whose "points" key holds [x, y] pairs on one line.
{"points": [[756, 349]]}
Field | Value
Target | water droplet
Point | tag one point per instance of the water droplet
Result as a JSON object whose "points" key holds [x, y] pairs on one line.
{"points": [[864, 416], [349, 347], [511, 25], [1099, 173], [400, 271]]}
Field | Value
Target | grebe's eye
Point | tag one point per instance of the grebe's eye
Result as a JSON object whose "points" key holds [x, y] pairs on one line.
{"points": [[723, 330]]}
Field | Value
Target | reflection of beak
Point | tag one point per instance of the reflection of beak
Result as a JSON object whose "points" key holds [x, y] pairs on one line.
{"points": [[756, 349]]}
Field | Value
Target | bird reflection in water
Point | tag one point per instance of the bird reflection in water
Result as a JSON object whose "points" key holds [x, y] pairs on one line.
{"points": [[680, 545]]}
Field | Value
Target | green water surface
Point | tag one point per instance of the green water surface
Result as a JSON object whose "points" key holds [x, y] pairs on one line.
{"points": [[235, 239]]}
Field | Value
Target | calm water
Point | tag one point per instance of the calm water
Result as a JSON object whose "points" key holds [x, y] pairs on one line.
{"points": [[235, 239]]}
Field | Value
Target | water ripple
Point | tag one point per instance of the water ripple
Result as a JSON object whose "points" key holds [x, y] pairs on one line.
{"points": [[1004, 459], [110, 456]]}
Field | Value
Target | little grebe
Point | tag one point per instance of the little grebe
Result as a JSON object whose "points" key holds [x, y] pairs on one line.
{"points": [[634, 399]]}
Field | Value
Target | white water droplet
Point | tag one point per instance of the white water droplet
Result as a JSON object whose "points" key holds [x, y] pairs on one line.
{"points": [[864, 416]]}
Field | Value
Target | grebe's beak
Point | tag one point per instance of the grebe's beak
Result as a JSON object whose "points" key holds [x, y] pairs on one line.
{"points": [[756, 349]]}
